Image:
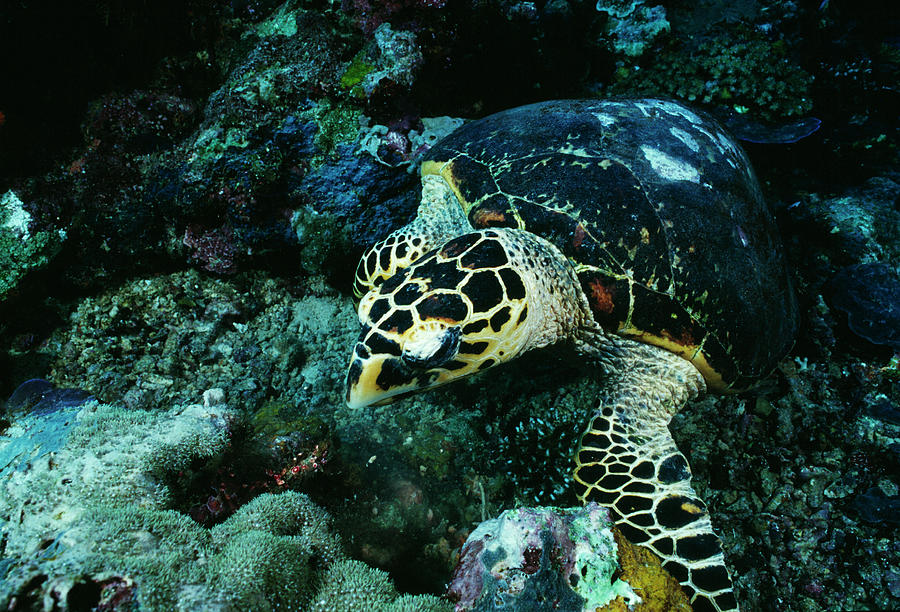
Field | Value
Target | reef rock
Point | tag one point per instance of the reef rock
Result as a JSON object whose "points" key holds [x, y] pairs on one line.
{"points": [[547, 558]]}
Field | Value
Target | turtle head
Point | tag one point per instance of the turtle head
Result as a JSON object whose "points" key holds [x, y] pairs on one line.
{"points": [[456, 311]]}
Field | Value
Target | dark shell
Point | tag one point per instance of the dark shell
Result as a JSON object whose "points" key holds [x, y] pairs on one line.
{"points": [[660, 212]]}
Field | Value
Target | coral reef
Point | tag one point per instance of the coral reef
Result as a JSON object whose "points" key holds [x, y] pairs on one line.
{"points": [[173, 338], [180, 218], [134, 352], [859, 226], [867, 295], [391, 59], [540, 558], [355, 192], [354, 586]]}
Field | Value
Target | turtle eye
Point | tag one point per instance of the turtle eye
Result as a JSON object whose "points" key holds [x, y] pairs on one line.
{"points": [[431, 348]]}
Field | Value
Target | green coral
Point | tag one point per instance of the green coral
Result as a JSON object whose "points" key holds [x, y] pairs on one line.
{"points": [[419, 603], [743, 70], [355, 74], [599, 563], [283, 22], [391, 55], [257, 570], [244, 563], [288, 514], [21, 250], [159, 549], [178, 452], [353, 585]]}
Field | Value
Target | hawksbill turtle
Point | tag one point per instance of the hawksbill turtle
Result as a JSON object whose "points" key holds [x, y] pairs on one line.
{"points": [[634, 229]]}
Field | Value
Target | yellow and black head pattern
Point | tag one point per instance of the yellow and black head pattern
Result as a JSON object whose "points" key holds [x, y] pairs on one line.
{"points": [[460, 309], [385, 259]]}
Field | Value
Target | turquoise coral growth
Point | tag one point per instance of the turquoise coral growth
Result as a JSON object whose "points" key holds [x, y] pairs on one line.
{"points": [[632, 27], [353, 586], [96, 513], [541, 558]]}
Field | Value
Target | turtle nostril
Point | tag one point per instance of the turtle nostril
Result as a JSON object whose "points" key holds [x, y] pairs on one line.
{"points": [[433, 350]]}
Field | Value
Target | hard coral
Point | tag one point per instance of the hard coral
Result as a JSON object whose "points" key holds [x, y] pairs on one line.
{"points": [[140, 121], [22, 249], [272, 546], [353, 586], [95, 524], [632, 27], [392, 59], [559, 558]]}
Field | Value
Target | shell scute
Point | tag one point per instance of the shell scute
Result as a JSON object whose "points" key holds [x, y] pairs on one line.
{"points": [[472, 179], [457, 246], [496, 210], [488, 254], [610, 298]]}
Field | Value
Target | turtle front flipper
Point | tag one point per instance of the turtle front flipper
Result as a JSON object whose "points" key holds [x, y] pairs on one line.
{"points": [[628, 461]]}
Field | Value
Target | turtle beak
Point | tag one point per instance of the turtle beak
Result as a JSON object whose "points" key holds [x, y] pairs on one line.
{"points": [[377, 379]]}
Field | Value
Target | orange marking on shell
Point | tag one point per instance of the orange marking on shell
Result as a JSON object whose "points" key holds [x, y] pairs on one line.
{"points": [[691, 508], [433, 299], [601, 297], [685, 338], [578, 236], [484, 218], [453, 250]]}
